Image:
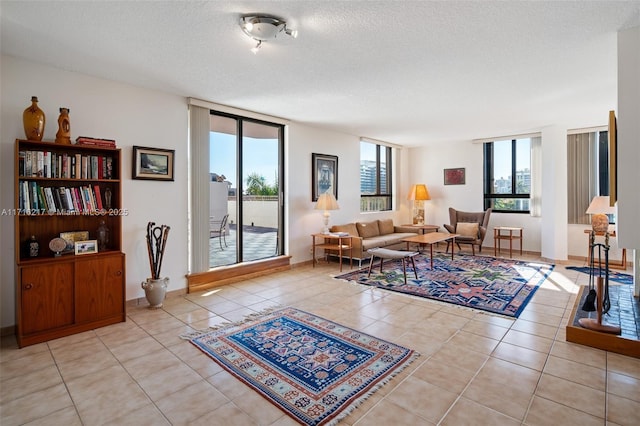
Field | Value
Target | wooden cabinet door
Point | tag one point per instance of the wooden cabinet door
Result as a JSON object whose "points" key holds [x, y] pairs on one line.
{"points": [[99, 288], [46, 296]]}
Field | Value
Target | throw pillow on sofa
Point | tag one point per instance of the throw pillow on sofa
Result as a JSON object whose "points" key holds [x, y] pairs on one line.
{"points": [[468, 230], [386, 226], [368, 229]]}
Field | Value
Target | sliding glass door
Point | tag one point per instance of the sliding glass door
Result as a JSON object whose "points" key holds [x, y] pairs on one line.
{"points": [[246, 175]]}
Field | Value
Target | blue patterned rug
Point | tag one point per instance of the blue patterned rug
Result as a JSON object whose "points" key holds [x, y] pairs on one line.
{"points": [[315, 370], [501, 286], [613, 276]]}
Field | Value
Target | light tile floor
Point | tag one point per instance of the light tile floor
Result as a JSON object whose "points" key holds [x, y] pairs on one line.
{"points": [[475, 368]]}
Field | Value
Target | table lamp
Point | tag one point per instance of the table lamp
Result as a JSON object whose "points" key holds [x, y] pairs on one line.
{"points": [[326, 202], [418, 193], [599, 209]]}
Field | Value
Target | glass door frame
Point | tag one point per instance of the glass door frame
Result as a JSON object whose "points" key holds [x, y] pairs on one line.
{"points": [[241, 185]]}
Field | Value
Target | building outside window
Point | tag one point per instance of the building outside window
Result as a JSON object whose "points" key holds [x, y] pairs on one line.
{"points": [[507, 175], [375, 177]]}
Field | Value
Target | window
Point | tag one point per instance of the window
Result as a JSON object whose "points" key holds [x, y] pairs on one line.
{"points": [[507, 175], [375, 177], [587, 173]]}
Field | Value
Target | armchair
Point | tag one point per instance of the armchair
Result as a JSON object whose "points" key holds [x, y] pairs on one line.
{"points": [[472, 231]]}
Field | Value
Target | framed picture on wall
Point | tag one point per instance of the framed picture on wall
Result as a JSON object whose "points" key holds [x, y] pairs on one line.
{"points": [[152, 163], [454, 176], [324, 175]]}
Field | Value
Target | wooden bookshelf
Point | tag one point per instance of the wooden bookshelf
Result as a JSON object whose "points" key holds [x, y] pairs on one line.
{"points": [[61, 295]]}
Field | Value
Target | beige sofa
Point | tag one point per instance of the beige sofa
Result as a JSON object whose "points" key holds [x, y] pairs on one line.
{"points": [[377, 233]]}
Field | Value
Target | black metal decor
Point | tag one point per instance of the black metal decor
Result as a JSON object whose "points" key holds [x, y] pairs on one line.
{"points": [[589, 304], [156, 243], [599, 294]]}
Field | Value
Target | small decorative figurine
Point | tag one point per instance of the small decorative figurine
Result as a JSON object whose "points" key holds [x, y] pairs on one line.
{"points": [[107, 198], [103, 236], [34, 247], [64, 127]]}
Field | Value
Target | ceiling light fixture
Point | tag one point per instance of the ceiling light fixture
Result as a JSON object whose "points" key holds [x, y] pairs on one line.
{"points": [[257, 47], [264, 28]]}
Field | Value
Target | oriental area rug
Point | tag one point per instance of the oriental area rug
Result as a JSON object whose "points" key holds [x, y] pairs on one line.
{"points": [[501, 286], [315, 370]]}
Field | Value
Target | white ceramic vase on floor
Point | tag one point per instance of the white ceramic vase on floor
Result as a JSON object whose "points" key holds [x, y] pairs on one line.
{"points": [[155, 291]]}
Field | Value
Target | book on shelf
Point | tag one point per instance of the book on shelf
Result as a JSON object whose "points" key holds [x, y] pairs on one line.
{"points": [[59, 199], [49, 164], [101, 142], [338, 234], [96, 191]]}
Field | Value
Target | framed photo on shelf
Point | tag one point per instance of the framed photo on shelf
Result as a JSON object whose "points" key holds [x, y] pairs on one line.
{"points": [[71, 238], [324, 175], [454, 176], [86, 247], [152, 163]]}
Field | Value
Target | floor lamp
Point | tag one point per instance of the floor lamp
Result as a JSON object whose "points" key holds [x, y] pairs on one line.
{"points": [[326, 202], [419, 194]]}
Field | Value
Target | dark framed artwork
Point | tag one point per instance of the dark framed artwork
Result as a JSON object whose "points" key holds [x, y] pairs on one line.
{"points": [[454, 176], [152, 163], [324, 175]]}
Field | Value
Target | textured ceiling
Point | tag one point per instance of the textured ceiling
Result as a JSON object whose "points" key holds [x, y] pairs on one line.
{"points": [[408, 72]]}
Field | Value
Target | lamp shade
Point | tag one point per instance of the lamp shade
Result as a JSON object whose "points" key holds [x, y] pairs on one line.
{"points": [[419, 192], [600, 204], [327, 201]]}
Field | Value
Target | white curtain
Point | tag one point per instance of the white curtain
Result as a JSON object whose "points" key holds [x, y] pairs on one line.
{"points": [[535, 205], [199, 128]]}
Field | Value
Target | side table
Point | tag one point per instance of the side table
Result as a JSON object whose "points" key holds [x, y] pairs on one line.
{"points": [[337, 242], [498, 236]]}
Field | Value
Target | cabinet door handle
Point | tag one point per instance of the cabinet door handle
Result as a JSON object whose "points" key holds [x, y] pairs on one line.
{"points": [[118, 273], [28, 286]]}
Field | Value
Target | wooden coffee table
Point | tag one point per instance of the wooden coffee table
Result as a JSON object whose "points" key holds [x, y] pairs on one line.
{"points": [[430, 239]]}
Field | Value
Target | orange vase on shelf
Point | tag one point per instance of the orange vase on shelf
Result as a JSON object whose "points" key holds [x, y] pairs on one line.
{"points": [[34, 120]]}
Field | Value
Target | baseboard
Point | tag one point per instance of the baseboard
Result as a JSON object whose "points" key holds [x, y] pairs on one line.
{"points": [[8, 331], [229, 274]]}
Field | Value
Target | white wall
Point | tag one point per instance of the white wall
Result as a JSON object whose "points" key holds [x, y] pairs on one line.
{"points": [[629, 143], [101, 108], [554, 193], [628, 115], [427, 166], [135, 116], [303, 219]]}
